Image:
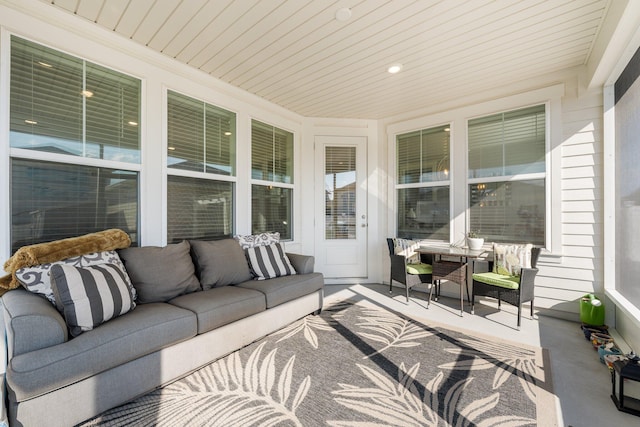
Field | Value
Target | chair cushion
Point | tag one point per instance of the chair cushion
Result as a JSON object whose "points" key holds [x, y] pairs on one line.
{"points": [[407, 248], [419, 268], [503, 281], [508, 260]]}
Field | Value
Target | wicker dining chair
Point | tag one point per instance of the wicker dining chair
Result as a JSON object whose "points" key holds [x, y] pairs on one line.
{"points": [[408, 274], [512, 289]]}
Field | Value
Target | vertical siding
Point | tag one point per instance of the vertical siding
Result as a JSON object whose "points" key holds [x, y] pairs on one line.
{"points": [[579, 269]]}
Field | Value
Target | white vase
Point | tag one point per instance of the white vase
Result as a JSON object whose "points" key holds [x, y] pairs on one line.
{"points": [[475, 243]]}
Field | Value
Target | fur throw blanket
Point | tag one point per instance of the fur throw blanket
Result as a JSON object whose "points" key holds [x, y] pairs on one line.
{"points": [[43, 253]]}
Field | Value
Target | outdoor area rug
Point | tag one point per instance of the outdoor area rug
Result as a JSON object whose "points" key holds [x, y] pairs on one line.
{"points": [[357, 364]]}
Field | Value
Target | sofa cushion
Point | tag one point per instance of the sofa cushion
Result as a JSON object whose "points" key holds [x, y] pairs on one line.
{"points": [[220, 306], [254, 240], [159, 274], [219, 263], [90, 296], [36, 279], [148, 328], [286, 288], [267, 262]]}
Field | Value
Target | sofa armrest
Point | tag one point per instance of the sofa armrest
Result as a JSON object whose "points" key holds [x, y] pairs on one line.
{"points": [[304, 264], [31, 323]]}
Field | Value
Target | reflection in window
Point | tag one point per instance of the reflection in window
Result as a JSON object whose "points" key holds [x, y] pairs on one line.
{"points": [[51, 201], [508, 211], [198, 209], [271, 210], [422, 189]]}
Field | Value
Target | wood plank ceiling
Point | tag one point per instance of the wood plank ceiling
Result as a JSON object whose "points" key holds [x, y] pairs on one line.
{"points": [[295, 53]]}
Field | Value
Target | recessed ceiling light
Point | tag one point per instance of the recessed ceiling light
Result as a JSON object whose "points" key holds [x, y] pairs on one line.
{"points": [[87, 93], [395, 68], [132, 123], [31, 122], [343, 14], [44, 64], [227, 133], [171, 148], [447, 129]]}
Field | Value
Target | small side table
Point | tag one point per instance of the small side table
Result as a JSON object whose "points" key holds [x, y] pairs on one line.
{"points": [[452, 271]]}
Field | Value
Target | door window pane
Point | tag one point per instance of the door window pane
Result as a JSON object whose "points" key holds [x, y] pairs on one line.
{"points": [[511, 211], [271, 210], [340, 193], [62, 104], [199, 209], [51, 201]]}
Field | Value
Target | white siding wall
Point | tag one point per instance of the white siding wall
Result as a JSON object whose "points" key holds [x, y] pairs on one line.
{"points": [[578, 269]]}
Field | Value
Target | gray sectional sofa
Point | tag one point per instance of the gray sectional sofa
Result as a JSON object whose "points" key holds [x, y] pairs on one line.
{"points": [[190, 311]]}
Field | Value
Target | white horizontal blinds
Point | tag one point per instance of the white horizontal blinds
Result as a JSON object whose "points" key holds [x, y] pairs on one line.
{"points": [[220, 141], [509, 207], [66, 105], [271, 210], [408, 157], [46, 99], [271, 153], [509, 143], [185, 132], [340, 193], [199, 209], [112, 102], [51, 201], [423, 158]]}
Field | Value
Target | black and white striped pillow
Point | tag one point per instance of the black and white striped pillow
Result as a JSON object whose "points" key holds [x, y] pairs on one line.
{"points": [[89, 296], [267, 262]]}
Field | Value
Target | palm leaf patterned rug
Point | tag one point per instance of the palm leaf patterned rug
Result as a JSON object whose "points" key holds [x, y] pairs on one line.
{"points": [[357, 364]]}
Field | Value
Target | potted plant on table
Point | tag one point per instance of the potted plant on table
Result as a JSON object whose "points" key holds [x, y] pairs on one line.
{"points": [[474, 241]]}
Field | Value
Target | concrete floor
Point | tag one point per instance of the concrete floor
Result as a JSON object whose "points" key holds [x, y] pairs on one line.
{"points": [[581, 384]]}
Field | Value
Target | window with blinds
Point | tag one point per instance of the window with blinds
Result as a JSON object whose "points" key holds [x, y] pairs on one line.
{"points": [[271, 162], [422, 189], [51, 201], [71, 107], [201, 136], [66, 105], [271, 153], [507, 175], [201, 140], [199, 209]]}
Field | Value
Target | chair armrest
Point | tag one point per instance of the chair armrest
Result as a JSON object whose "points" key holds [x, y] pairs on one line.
{"points": [[527, 282], [303, 264], [399, 268], [31, 323]]}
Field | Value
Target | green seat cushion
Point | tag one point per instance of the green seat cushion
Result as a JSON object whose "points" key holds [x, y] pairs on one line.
{"points": [[419, 268], [508, 282]]}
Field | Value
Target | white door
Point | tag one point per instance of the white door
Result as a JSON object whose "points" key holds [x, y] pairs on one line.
{"points": [[341, 206]]}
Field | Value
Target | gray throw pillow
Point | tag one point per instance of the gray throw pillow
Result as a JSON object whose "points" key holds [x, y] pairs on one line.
{"points": [[160, 274], [219, 263]]}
